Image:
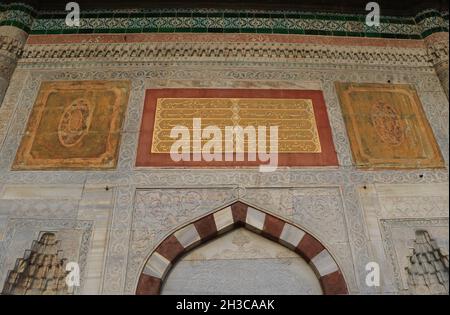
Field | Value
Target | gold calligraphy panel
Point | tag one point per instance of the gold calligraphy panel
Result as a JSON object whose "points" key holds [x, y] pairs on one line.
{"points": [[387, 127], [74, 125], [297, 128]]}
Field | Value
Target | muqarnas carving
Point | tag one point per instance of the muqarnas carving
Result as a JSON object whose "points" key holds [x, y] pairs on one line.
{"points": [[387, 127], [74, 125], [427, 271], [40, 272]]}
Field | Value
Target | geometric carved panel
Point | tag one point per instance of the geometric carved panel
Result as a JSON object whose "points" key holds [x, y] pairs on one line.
{"points": [[74, 125], [387, 126]]}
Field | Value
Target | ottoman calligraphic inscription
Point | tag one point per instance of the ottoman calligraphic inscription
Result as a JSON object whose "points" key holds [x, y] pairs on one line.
{"points": [[74, 125], [387, 126], [304, 132]]}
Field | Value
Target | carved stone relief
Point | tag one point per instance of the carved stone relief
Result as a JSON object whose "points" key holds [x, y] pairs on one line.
{"points": [[41, 271], [158, 211], [241, 262], [74, 125], [130, 242], [400, 242], [12, 41], [74, 237], [427, 271]]}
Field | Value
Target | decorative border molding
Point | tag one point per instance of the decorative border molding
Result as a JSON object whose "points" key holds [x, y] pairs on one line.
{"points": [[240, 215]]}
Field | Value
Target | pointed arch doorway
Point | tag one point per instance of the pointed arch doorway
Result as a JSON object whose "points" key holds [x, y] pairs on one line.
{"points": [[235, 216]]}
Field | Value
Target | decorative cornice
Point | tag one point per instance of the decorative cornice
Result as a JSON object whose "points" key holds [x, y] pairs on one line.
{"points": [[226, 51], [224, 21]]}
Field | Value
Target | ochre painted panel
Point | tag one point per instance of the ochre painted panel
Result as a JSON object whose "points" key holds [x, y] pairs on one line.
{"points": [[387, 127], [304, 130], [74, 125]]}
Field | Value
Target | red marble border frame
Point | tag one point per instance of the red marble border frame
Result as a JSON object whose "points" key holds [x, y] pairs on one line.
{"points": [[327, 157], [237, 215]]}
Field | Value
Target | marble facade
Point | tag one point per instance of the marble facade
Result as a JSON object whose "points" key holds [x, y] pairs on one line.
{"points": [[111, 221]]}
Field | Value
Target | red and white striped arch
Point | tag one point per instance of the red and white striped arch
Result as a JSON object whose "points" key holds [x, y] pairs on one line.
{"points": [[240, 215]]}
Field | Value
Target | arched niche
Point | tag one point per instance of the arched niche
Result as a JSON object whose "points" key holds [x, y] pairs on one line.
{"points": [[238, 215]]}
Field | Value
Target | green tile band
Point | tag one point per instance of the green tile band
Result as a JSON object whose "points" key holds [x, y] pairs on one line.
{"points": [[223, 21]]}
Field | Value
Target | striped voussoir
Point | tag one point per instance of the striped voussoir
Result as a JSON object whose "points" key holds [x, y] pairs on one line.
{"points": [[241, 215]]}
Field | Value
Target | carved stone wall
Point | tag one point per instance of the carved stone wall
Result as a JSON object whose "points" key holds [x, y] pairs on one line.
{"points": [[78, 215], [113, 219], [239, 214]]}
